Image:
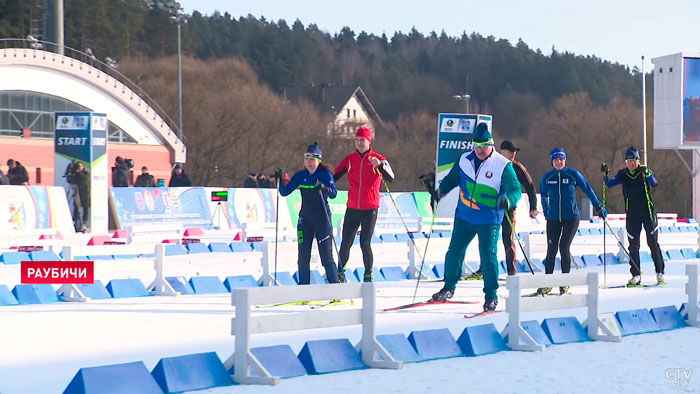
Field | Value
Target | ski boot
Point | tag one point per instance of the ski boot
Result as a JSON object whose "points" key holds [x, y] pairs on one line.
{"points": [[341, 277], [636, 281], [443, 295], [563, 290], [477, 275], [543, 291], [367, 277], [660, 280], [490, 304]]}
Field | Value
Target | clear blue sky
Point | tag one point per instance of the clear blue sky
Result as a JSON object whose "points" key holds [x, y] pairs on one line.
{"points": [[616, 30]]}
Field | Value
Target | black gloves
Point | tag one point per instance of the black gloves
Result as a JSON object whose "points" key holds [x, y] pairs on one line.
{"points": [[277, 174], [428, 180], [604, 168], [435, 196], [321, 186], [503, 203]]}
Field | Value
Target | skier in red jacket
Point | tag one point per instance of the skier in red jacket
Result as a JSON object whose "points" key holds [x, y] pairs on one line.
{"points": [[365, 169]]}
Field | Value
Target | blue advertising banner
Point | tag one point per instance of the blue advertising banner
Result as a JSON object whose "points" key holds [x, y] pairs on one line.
{"points": [[153, 205]]}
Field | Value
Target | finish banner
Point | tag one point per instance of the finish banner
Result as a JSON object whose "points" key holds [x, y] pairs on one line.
{"points": [[455, 133]]}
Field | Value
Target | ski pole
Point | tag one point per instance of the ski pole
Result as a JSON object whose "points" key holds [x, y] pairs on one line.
{"points": [[425, 253], [517, 238], [277, 216], [605, 257], [324, 203], [391, 196], [622, 246]]}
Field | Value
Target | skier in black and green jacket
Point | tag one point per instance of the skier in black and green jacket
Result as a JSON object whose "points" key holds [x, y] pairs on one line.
{"points": [[637, 182]]}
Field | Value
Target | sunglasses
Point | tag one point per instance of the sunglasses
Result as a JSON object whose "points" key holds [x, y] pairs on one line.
{"points": [[483, 144], [310, 156], [631, 159]]}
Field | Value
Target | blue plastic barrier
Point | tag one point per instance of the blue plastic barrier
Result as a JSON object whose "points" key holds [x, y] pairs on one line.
{"points": [[197, 247], [393, 273], [537, 265], [35, 294], [636, 321], [101, 257], [180, 284], [44, 255], [564, 330], [285, 278], [175, 250], [375, 239], [388, 238], [256, 246], [402, 237], [667, 318], [191, 372], [6, 296], [14, 257], [124, 288], [577, 261], [674, 254], [610, 258], [219, 247], [427, 273], [591, 260], [434, 344], [376, 274], [439, 270], [95, 290], [117, 378], [239, 282], [645, 257], [279, 361], [329, 355], [480, 340], [207, 285], [688, 254], [399, 347], [533, 328], [241, 247], [315, 279]]}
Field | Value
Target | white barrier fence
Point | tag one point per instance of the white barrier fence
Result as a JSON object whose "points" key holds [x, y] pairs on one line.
{"points": [[244, 324], [515, 305], [691, 289], [159, 286], [149, 233], [43, 237]]}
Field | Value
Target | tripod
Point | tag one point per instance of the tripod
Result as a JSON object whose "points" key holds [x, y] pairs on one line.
{"points": [[218, 212]]}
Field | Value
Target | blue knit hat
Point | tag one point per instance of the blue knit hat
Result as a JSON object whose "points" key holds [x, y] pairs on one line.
{"points": [[557, 153], [482, 136], [632, 154], [315, 151]]}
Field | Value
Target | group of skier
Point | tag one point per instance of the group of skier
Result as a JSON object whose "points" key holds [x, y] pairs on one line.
{"points": [[489, 184]]}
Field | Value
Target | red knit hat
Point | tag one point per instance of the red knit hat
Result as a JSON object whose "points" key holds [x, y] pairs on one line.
{"points": [[364, 132]]}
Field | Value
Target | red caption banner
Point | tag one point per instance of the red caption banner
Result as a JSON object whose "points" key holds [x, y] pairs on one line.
{"points": [[57, 272]]}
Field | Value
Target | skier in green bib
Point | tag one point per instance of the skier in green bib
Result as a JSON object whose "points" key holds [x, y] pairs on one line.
{"points": [[488, 187]]}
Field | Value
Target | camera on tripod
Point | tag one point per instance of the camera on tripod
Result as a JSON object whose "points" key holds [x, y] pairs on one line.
{"points": [[218, 196]]}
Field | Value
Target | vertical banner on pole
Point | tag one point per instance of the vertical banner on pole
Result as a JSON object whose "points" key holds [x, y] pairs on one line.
{"points": [[81, 137], [454, 138]]}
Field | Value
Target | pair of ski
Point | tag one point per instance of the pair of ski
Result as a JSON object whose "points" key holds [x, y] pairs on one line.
{"points": [[662, 284], [536, 294], [446, 302], [311, 304]]}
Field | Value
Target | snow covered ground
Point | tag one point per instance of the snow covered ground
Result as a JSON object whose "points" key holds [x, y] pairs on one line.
{"points": [[43, 346]]}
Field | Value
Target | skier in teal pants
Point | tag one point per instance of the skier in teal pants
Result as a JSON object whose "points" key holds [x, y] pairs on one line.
{"points": [[487, 187]]}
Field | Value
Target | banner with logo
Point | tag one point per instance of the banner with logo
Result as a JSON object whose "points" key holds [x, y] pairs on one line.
{"points": [[188, 206], [34, 207], [337, 206], [455, 133], [246, 205], [81, 137]]}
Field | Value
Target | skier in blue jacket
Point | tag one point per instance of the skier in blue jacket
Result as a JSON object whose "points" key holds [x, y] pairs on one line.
{"points": [[558, 195], [316, 184]]}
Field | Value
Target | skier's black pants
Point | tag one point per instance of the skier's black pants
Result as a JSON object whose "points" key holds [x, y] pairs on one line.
{"points": [[306, 230], [508, 242], [634, 228], [559, 236], [365, 219]]}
